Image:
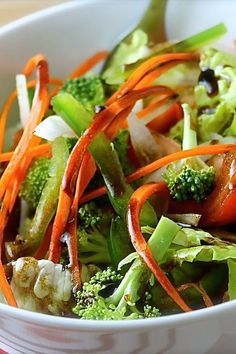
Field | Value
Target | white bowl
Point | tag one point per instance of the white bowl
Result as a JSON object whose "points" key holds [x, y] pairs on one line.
{"points": [[67, 34]]}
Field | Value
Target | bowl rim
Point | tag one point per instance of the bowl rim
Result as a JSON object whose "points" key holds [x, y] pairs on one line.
{"points": [[118, 325], [95, 325]]}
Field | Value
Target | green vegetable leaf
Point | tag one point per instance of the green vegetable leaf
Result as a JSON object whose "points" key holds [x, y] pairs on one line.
{"points": [[187, 237], [126, 54], [206, 253]]}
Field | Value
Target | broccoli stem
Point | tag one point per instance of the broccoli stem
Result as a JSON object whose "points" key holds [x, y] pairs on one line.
{"points": [[193, 43], [199, 40], [162, 238], [138, 274], [48, 200], [75, 115]]}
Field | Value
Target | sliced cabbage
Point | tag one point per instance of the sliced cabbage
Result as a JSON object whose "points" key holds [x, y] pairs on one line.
{"points": [[54, 127], [217, 110], [23, 99], [41, 286]]}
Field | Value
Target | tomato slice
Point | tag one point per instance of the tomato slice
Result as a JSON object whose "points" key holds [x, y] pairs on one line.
{"points": [[220, 206]]}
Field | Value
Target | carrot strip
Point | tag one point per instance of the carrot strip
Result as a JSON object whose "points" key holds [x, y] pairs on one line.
{"points": [[3, 118], [44, 246], [66, 214], [133, 214], [164, 161], [33, 63], [40, 104], [163, 122], [153, 75], [9, 102], [54, 91], [17, 167], [100, 122], [59, 225], [5, 288], [86, 173], [40, 150], [154, 105], [117, 124], [89, 64], [96, 193], [146, 68], [200, 289]]}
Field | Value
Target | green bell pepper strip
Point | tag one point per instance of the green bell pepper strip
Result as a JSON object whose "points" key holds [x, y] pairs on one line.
{"points": [[119, 244], [49, 198]]}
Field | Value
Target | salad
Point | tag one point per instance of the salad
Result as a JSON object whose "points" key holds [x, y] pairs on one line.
{"points": [[118, 188]]}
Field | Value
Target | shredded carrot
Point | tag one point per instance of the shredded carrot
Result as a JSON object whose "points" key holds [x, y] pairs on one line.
{"points": [[17, 167], [5, 287], [163, 122], [200, 289], [37, 151], [86, 173], [59, 225], [119, 123], [146, 68], [164, 161], [154, 105], [3, 117], [153, 75], [96, 193], [40, 105], [89, 64], [141, 246], [100, 122], [67, 211], [9, 102]]}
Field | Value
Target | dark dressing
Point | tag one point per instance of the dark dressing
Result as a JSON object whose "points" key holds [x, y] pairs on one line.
{"points": [[209, 81]]}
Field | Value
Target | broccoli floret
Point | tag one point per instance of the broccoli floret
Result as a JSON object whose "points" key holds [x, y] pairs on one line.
{"points": [[121, 145], [151, 312], [88, 90], [191, 178], [89, 215], [94, 225], [110, 295], [35, 181], [187, 183], [92, 306], [94, 302]]}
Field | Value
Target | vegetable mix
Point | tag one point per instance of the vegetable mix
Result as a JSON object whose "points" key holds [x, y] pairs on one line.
{"points": [[118, 189]]}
